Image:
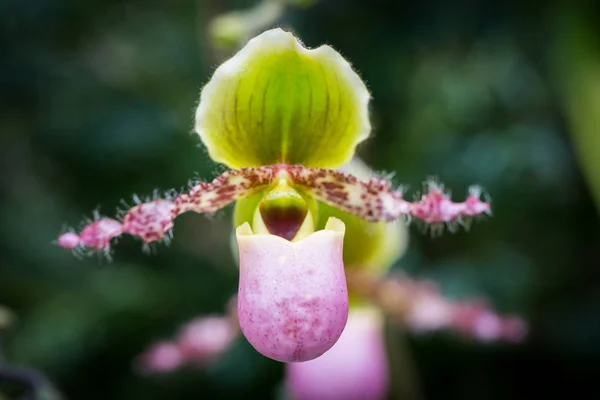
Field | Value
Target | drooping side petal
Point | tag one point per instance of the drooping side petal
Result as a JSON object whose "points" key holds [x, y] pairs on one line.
{"points": [[276, 102], [230, 186], [292, 296], [375, 200], [153, 220], [356, 367]]}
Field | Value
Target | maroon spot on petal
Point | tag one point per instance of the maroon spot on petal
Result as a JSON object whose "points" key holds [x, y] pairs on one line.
{"points": [[283, 222]]}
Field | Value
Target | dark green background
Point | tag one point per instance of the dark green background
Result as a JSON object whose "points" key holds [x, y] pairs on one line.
{"points": [[97, 101]]}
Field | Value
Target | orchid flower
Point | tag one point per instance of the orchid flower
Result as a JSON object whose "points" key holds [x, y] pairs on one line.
{"points": [[286, 120]]}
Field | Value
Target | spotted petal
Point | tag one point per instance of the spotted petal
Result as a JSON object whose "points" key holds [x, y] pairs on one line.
{"points": [[292, 296], [277, 102], [374, 246]]}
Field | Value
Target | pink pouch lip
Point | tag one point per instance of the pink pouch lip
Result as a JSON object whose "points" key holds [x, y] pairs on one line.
{"points": [[292, 296]]}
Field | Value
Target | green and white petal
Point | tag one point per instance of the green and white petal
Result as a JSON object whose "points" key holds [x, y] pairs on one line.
{"points": [[277, 102]]}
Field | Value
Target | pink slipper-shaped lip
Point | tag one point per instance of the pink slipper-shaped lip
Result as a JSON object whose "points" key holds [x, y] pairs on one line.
{"points": [[292, 297]]}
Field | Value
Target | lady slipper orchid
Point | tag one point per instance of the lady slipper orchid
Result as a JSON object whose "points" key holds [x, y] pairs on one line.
{"points": [[357, 365], [285, 119]]}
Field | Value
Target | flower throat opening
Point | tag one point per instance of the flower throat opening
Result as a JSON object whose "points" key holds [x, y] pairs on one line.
{"points": [[285, 213]]}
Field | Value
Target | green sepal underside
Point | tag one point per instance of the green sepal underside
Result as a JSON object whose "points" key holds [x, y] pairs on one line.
{"points": [[276, 102], [245, 208], [373, 246]]}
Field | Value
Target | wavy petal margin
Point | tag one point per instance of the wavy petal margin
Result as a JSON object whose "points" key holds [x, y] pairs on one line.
{"points": [[277, 102]]}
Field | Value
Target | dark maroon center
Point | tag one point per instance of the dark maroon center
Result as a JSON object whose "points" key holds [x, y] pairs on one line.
{"points": [[283, 221]]}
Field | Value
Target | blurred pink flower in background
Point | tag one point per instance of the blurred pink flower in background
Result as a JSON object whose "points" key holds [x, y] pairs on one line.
{"points": [[477, 320], [161, 357], [198, 343], [422, 307], [357, 366], [203, 339]]}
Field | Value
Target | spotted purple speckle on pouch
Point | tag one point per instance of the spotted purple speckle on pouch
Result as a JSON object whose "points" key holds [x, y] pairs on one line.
{"points": [[293, 299]]}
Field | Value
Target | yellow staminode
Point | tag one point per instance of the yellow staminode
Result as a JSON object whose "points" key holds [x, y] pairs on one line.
{"points": [[277, 102]]}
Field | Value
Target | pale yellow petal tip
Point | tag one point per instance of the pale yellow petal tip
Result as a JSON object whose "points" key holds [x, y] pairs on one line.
{"points": [[336, 225], [276, 101], [244, 230]]}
